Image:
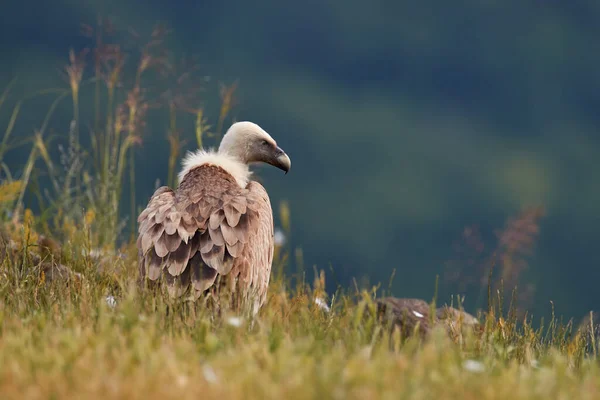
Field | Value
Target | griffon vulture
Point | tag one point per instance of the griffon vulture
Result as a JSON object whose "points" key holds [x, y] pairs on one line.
{"points": [[217, 223]]}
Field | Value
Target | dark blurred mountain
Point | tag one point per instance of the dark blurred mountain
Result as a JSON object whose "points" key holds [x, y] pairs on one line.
{"points": [[406, 122]]}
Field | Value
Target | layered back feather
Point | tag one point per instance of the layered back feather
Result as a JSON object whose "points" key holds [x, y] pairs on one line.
{"points": [[213, 226]]}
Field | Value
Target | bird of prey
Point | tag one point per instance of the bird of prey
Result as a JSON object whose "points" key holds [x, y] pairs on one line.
{"points": [[217, 225]]}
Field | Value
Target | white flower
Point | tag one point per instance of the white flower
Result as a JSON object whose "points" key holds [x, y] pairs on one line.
{"points": [[234, 321], [95, 253], [417, 314], [182, 380], [322, 305], [209, 374], [473, 366], [279, 237], [111, 301]]}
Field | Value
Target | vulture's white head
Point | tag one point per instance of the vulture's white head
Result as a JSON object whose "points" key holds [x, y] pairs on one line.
{"points": [[249, 143], [244, 143]]}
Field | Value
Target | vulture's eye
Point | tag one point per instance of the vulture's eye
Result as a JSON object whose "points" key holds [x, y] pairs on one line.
{"points": [[265, 143]]}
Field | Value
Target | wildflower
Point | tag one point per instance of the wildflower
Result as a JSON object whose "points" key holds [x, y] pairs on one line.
{"points": [[182, 380], [236, 322], [322, 305], [9, 192], [473, 366], [111, 301], [417, 314], [89, 217], [279, 237], [209, 374]]}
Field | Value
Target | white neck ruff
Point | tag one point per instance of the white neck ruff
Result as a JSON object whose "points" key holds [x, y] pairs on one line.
{"points": [[233, 166]]}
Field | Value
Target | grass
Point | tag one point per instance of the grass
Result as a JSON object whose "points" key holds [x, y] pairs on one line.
{"points": [[63, 339], [74, 324]]}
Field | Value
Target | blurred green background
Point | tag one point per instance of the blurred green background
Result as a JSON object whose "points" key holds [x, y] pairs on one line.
{"points": [[405, 121]]}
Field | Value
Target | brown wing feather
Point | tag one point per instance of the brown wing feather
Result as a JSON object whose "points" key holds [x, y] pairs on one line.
{"points": [[252, 264], [208, 227]]}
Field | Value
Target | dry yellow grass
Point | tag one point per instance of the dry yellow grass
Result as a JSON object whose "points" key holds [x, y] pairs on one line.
{"points": [[64, 339]]}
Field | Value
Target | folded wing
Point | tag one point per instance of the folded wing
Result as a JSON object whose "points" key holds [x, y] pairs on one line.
{"points": [[209, 227]]}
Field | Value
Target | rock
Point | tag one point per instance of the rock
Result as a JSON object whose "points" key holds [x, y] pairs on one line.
{"points": [[406, 314], [58, 273], [410, 315], [49, 249], [456, 321]]}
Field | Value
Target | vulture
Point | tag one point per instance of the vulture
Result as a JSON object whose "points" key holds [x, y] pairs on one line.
{"points": [[215, 230]]}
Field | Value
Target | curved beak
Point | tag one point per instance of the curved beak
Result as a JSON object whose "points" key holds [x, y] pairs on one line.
{"points": [[281, 160]]}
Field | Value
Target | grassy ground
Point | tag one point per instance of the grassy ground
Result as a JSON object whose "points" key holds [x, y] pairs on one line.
{"points": [[64, 339], [73, 324]]}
